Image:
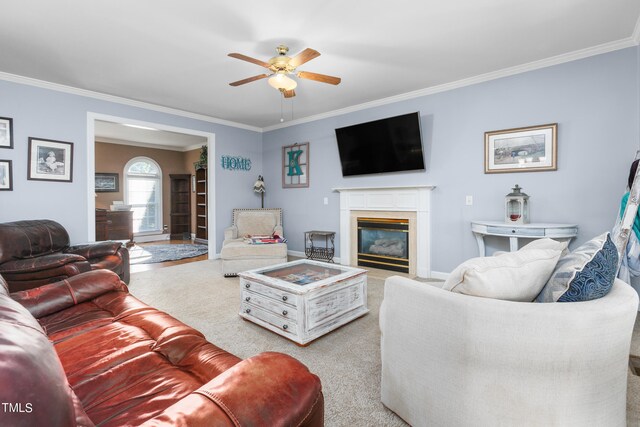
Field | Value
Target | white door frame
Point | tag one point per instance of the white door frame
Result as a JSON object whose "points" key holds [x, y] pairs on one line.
{"points": [[91, 170]]}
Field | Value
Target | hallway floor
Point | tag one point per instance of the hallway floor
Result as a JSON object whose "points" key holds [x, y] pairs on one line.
{"points": [[145, 267]]}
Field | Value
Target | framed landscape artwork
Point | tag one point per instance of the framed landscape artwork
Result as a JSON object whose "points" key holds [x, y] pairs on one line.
{"points": [[6, 132], [6, 176], [295, 165], [107, 182], [50, 160], [528, 149]]}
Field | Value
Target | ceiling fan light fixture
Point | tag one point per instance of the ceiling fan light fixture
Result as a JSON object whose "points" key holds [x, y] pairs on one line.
{"points": [[281, 67], [282, 82]]}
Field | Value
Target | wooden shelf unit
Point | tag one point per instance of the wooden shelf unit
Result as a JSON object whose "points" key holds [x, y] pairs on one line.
{"points": [[180, 206], [201, 205]]}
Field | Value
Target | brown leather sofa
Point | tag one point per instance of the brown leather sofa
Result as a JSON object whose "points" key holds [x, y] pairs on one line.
{"points": [[37, 252], [85, 352]]}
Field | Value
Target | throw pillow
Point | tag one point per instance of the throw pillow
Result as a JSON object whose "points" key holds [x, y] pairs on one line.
{"points": [[547, 243], [513, 276], [584, 274]]}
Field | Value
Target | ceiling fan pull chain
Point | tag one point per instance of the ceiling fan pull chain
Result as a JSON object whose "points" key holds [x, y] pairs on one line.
{"points": [[281, 111]]}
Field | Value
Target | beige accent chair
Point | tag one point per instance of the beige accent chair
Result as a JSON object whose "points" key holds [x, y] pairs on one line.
{"points": [[450, 359], [237, 255]]}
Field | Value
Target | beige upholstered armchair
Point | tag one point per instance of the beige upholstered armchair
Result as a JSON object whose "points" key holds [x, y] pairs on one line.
{"points": [[238, 254], [460, 360]]}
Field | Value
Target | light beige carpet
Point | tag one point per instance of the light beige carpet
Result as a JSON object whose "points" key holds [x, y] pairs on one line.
{"points": [[346, 360]]}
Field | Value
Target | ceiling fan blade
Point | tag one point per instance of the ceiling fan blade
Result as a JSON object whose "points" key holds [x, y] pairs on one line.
{"points": [[249, 80], [319, 77], [249, 59], [304, 56], [289, 93]]}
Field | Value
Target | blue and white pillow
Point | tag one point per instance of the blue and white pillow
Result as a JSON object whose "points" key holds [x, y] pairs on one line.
{"points": [[584, 274]]}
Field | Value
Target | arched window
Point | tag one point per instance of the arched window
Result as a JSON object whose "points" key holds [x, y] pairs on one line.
{"points": [[143, 191]]}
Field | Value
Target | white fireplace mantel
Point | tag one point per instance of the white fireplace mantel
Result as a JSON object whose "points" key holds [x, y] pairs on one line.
{"points": [[409, 198]]}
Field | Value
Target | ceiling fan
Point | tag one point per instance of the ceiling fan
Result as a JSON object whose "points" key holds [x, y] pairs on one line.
{"points": [[281, 66]]}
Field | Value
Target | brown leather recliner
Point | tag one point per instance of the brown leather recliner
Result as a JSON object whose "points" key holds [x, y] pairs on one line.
{"points": [[37, 252], [85, 352]]}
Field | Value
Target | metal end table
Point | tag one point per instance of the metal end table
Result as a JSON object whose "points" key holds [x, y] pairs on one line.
{"points": [[319, 245]]}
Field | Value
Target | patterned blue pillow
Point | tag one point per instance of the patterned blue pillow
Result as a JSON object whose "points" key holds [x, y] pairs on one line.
{"points": [[584, 274]]}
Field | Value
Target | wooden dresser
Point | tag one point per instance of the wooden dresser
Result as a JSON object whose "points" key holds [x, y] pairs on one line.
{"points": [[114, 225]]}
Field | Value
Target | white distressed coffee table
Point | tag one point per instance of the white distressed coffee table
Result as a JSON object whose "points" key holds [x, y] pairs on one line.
{"points": [[303, 300]]}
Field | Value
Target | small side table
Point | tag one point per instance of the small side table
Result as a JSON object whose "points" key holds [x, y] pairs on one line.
{"points": [[319, 245], [525, 231]]}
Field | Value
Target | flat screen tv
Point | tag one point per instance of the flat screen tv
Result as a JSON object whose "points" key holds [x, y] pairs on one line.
{"points": [[388, 145]]}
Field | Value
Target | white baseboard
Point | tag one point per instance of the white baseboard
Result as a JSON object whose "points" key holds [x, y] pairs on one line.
{"points": [[303, 255], [434, 274], [296, 254], [439, 275], [150, 238]]}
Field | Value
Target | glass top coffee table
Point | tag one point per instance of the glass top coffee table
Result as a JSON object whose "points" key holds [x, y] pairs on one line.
{"points": [[303, 300]]}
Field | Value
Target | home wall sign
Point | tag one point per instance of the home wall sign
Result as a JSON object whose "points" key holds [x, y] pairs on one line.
{"points": [[235, 163], [295, 165]]}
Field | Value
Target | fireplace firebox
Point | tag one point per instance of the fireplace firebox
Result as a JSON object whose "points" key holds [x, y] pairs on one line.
{"points": [[384, 243]]}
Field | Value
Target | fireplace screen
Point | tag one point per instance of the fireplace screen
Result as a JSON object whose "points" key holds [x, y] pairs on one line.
{"points": [[384, 243]]}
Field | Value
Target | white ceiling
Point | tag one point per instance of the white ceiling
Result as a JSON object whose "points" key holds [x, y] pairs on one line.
{"points": [[174, 53], [127, 134]]}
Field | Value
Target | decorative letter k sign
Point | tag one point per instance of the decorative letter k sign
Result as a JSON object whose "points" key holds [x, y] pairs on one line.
{"points": [[294, 163]]}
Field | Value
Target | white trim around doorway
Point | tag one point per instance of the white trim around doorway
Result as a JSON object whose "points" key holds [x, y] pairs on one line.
{"points": [[91, 170]]}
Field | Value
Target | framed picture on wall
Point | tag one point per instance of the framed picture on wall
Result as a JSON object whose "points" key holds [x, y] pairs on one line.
{"points": [[295, 165], [6, 132], [107, 182], [50, 160], [6, 176], [528, 149]]}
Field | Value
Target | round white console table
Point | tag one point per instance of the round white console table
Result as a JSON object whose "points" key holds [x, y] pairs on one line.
{"points": [[516, 231]]}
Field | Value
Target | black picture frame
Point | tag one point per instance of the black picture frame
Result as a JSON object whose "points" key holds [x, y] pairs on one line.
{"points": [[6, 175], [107, 182], [6, 132], [50, 160]]}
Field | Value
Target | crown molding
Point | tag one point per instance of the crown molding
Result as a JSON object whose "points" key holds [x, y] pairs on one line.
{"points": [[124, 101], [193, 147], [633, 40], [105, 140], [518, 69], [636, 32]]}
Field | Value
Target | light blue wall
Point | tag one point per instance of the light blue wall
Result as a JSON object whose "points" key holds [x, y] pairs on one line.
{"points": [[594, 101], [44, 113]]}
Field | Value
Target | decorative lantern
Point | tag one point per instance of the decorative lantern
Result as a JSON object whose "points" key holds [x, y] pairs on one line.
{"points": [[516, 207], [259, 187]]}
